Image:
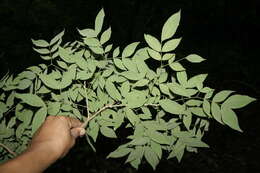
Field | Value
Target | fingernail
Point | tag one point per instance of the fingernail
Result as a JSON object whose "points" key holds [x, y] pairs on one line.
{"points": [[82, 132]]}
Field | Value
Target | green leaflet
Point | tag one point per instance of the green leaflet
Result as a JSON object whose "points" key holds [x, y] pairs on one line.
{"points": [[105, 36], [10, 99], [222, 95], [229, 118], [193, 102], [88, 32], [179, 90], [194, 58], [139, 141], [84, 75], [135, 99], [154, 54], [182, 78], [197, 111], [164, 89], [116, 52], [151, 157], [171, 45], [171, 106], [112, 91], [176, 66], [65, 55], [187, 119], [206, 106], [168, 56], [119, 152], [23, 84], [131, 116], [53, 108], [99, 21], [163, 77], [62, 64], [154, 125], [108, 48], [108, 132], [135, 154], [31, 99], [40, 43], [130, 49], [27, 74], [141, 54], [177, 151], [193, 142], [42, 51], [157, 136], [93, 130], [216, 112], [39, 118], [57, 37], [107, 72], [132, 75], [238, 101], [157, 148], [119, 64], [129, 64], [92, 42], [49, 82], [135, 163], [125, 88], [170, 26], [20, 130], [197, 80], [153, 42], [141, 83]]}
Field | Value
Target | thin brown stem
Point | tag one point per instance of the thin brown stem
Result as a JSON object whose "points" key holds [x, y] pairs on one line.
{"points": [[8, 149], [90, 117]]}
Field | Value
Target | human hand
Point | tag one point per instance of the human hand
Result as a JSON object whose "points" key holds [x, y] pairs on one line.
{"points": [[57, 135]]}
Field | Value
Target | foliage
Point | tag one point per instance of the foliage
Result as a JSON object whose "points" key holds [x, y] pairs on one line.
{"points": [[107, 88]]}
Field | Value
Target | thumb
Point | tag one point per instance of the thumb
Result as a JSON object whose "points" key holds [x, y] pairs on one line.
{"points": [[78, 131]]}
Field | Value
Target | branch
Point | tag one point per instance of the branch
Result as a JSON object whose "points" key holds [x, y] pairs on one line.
{"points": [[8, 149], [84, 125]]}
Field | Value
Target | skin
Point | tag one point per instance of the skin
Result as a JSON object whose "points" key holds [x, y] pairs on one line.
{"points": [[52, 141]]}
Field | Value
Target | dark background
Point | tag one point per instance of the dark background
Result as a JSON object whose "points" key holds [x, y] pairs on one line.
{"points": [[222, 31]]}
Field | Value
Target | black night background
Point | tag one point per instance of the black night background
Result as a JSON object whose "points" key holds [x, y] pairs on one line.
{"points": [[222, 31]]}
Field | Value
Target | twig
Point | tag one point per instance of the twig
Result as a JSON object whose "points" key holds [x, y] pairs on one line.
{"points": [[84, 125], [86, 99], [8, 149], [90, 117]]}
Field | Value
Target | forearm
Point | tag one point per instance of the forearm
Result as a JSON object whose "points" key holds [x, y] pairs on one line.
{"points": [[33, 160]]}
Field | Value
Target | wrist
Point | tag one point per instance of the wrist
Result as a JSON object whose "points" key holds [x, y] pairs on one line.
{"points": [[43, 149]]}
